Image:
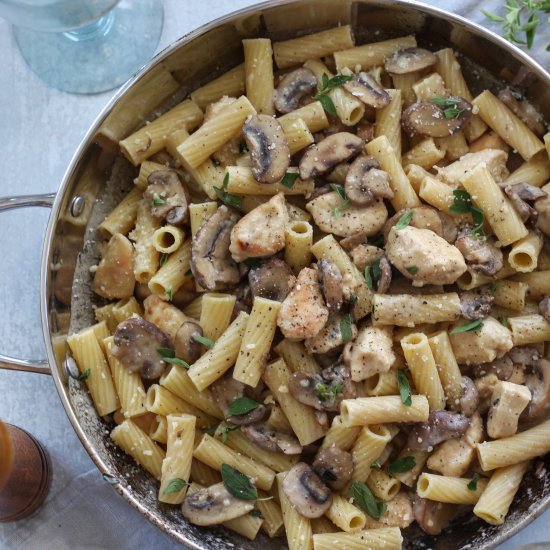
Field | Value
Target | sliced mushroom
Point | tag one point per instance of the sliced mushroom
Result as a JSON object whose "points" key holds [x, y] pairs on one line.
{"points": [[185, 344], [544, 307], [519, 193], [349, 243], [539, 384], [136, 342], [366, 182], [268, 148], [330, 337], [306, 492], [432, 516], [364, 87], [273, 280], [523, 109], [409, 60], [303, 312], [542, 206], [169, 198], [365, 130], [272, 440], [481, 254], [292, 88], [330, 280], [502, 368], [114, 276], [440, 426], [323, 392], [225, 390], [470, 397], [335, 467], [211, 263], [321, 157], [476, 303], [427, 119], [252, 417], [214, 505], [385, 276], [424, 217]]}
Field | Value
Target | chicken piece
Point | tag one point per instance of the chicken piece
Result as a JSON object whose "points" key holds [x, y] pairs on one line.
{"points": [[371, 353], [114, 277], [492, 340], [330, 337], [481, 254], [507, 403], [494, 159], [231, 151], [398, 514], [333, 215], [424, 257], [261, 232], [485, 386], [303, 312], [454, 456], [365, 254]]}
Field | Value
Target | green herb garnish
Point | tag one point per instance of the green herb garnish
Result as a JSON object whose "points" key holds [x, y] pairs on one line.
{"points": [[364, 499], [85, 375], [368, 278], [242, 405], [169, 356], [412, 269], [208, 342], [328, 392], [504, 321], [494, 287], [404, 388], [328, 84], [473, 326], [472, 486], [256, 513], [345, 328], [401, 465], [228, 198], [462, 204], [175, 486], [343, 198], [163, 259], [372, 275], [448, 105], [188, 273], [169, 293], [238, 484], [224, 430], [253, 263], [404, 220], [289, 179], [376, 465], [157, 201]]}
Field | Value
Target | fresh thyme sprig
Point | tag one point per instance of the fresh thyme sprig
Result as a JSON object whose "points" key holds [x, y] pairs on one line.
{"points": [[522, 16], [328, 84]]}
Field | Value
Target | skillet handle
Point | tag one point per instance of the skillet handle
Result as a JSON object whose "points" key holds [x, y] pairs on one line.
{"points": [[8, 203]]}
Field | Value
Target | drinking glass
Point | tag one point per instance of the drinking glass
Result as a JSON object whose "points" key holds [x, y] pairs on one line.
{"points": [[85, 46]]}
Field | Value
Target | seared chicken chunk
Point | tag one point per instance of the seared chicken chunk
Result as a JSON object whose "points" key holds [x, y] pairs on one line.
{"points": [[114, 277], [424, 257], [261, 232], [492, 340], [494, 159], [333, 215], [303, 313], [507, 403], [371, 353]]}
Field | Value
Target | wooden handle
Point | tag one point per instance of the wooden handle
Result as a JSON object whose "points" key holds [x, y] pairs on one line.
{"points": [[28, 479]]}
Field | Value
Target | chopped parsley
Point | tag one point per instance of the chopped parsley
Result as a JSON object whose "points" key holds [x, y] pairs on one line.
{"points": [[175, 486], [404, 220], [328, 392], [157, 201], [208, 342], [473, 326], [328, 84], [169, 293], [345, 328], [449, 106], [163, 259], [462, 204], [85, 375], [372, 275], [412, 269], [402, 465], [228, 198], [472, 486], [169, 356], [404, 388], [242, 405], [344, 201], [289, 179], [364, 499]]}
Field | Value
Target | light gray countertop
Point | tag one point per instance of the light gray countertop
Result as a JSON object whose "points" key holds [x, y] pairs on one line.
{"points": [[40, 129]]}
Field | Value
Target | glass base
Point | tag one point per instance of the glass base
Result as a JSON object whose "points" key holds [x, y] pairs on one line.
{"points": [[99, 56]]}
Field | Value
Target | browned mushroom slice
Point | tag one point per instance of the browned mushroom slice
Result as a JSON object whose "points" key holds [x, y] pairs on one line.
{"points": [[365, 88], [469, 401], [440, 426], [185, 344], [481, 254], [330, 280], [366, 182], [211, 262], [432, 516], [385, 276], [292, 88], [325, 155], [539, 384], [409, 60], [502, 368], [544, 307], [476, 304], [335, 467], [427, 119], [268, 148], [273, 280], [225, 390], [252, 417], [214, 505], [349, 243], [523, 109], [519, 193], [542, 206], [136, 342], [365, 130], [306, 492], [169, 199], [272, 440], [114, 276]]}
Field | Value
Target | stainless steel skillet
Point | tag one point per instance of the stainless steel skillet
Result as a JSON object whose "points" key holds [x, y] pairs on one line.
{"points": [[83, 198]]}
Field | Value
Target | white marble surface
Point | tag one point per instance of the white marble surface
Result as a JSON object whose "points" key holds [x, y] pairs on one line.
{"points": [[39, 131]]}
